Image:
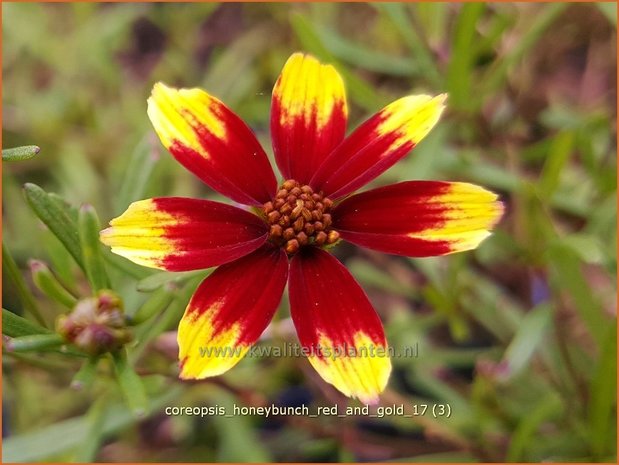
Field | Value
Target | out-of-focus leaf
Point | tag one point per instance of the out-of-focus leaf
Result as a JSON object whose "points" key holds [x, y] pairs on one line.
{"points": [[155, 304], [559, 154], [20, 153], [95, 419], [610, 11], [527, 429], [49, 285], [527, 339], [56, 219], [362, 57], [462, 58], [603, 402], [398, 15], [539, 23], [158, 279], [86, 374], [139, 169], [16, 326], [363, 94], [47, 442], [130, 384], [567, 276], [89, 227], [34, 342], [10, 270], [238, 441]]}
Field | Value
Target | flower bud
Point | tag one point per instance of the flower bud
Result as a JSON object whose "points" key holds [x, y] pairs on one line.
{"points": [[96, 325]]}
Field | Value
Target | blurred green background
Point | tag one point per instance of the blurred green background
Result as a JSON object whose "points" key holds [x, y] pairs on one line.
{"points": [[517, 337]]}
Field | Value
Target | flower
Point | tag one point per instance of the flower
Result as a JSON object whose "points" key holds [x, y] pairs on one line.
{"points": [[284, 236]]}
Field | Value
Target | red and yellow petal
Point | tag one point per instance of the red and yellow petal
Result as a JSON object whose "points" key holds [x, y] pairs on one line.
{"points": [[181, 234], [212, 142], [308, 116], [337, 326], [229, 312], [377, 144], [419, 218]]}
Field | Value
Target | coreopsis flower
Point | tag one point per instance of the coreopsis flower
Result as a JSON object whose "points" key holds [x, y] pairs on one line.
{"points": [[286, 232]]}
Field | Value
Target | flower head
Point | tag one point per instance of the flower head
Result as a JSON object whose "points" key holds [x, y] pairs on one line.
{"points": [[284, 236]]}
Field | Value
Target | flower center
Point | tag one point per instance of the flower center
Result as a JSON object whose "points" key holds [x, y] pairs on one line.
{"points": [[298, 216]]}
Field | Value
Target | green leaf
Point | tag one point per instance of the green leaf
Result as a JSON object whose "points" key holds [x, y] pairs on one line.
{"points": [[137, 174], [399, 17], [567, 276], [155, 281], [528, 338], [130, 384], [10, 270], [48, 284], [238, 441], [45, 443], [603, 402], [365, 58], [15, 326], [363, 94], [95, 419], [539, 23], [525, 432], [20, 153], [34, 342], [155, 304], [89, 227], [86, 374], [558, 156], [57, 219], [459, 71]]}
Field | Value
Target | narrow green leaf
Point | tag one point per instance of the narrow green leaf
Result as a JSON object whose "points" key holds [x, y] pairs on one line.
{"points": [[398, 16], [139, 169], [95, 421], [48, 284], [10, 270], [86, 374], [20, 153], [528, 426], [363, 94], [558, 156], [603, 402], [239, 441], [155, 304], [527, 339], [157, 280], [130, 384], [459, 71], [15, 326], [364, 58], [56, 219], [34, 342], [89, 227], [496, 75], [567, 276], [46, 443]]}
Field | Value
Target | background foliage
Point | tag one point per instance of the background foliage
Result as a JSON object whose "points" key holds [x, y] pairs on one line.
{"points": [[518, 337]]}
